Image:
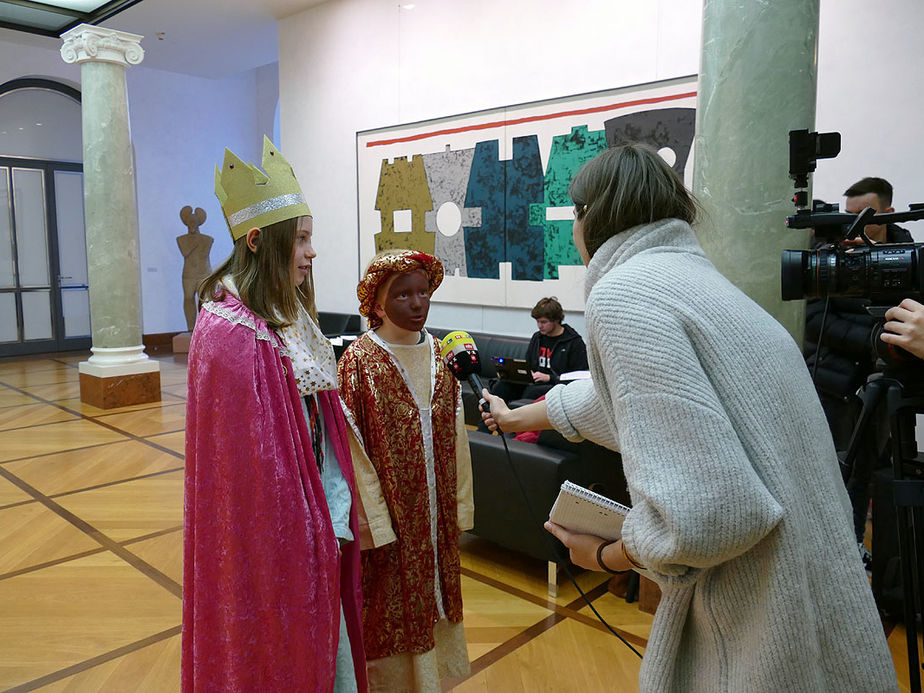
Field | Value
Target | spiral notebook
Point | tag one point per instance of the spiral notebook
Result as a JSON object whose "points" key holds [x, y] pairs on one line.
{"points": [[579, 510]]}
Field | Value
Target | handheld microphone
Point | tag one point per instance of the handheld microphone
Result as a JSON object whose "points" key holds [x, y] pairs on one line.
{"points": [[461, 356]]}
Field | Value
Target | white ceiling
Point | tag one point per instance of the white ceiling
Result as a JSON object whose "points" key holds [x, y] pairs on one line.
{"points": [[206, 38]]}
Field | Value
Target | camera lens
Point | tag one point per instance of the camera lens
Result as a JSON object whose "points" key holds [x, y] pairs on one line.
{"points": [[884, 273], [808, 273], [791, 269]]}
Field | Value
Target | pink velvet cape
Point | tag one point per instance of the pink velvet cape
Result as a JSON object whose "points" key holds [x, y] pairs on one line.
{"points": [[261, 594]]}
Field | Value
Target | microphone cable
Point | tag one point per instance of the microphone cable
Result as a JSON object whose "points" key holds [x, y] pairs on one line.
{"points": [[458, 352], [548, 537]]}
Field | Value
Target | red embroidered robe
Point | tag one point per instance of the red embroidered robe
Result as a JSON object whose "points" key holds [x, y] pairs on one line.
{"points": [[399, 596]]}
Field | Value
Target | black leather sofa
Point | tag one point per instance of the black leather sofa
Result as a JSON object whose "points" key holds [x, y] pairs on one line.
{"points": [[510, 512], [333, 324]]}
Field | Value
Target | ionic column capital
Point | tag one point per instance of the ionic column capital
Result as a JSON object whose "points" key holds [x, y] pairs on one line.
{"points": [[87, 43]]}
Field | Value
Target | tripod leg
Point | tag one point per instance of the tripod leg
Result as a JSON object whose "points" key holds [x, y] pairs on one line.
{"points": [[918, 570], [907, 511], [906, 544], [873, 393]]}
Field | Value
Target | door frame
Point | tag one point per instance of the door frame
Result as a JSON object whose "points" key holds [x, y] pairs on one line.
{"points": [[58, 341]]}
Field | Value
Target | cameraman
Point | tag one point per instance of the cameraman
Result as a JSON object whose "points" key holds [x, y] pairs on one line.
{"points": [[875, 193], [905, 327], [846, 356]]}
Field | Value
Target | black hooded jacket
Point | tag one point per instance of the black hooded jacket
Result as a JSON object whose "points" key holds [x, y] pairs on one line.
{"points": [[569, 353]]}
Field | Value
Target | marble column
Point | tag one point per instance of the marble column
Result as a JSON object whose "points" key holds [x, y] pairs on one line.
{"points": [[118, 373], [757, 82]]}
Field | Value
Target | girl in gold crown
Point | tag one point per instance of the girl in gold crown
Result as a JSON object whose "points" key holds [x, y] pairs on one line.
{"points": [[271, 592]]}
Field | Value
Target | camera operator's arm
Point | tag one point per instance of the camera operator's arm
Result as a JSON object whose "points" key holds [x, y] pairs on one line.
{"points": [[905, 327]]}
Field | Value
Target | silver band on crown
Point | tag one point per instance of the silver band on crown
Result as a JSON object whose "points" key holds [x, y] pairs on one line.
{"points": [[265, 206]]}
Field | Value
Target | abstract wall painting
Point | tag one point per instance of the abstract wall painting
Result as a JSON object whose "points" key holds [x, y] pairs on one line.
{"points": [[487, 192]]}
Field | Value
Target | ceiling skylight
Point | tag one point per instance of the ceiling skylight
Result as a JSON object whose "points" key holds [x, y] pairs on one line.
{"points": [[54, 18]]}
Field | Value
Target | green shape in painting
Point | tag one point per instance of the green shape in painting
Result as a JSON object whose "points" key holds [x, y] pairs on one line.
{"points": [[568, 154]]}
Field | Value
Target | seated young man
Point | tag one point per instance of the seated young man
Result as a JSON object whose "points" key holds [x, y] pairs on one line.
{"points": [[554, 349]]}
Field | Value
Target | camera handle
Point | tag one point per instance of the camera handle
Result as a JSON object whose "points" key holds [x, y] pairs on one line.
{"points": [[889, 389], [858, 227], [805, 219]]}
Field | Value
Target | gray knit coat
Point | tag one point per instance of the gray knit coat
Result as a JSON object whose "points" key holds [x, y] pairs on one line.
{"points": [[738, 508]]}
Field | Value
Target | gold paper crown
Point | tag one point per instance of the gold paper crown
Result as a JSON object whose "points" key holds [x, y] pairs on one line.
{"points": [[251, 198]]}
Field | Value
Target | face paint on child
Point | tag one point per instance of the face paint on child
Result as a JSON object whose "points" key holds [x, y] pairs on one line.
{"points": [[406, 300]]}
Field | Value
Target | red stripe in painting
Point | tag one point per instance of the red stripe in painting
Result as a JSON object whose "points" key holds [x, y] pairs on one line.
{"points": [[531, 119]]}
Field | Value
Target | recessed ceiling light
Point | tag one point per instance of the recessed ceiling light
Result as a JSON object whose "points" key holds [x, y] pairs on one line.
{"points": [[408, 7]]}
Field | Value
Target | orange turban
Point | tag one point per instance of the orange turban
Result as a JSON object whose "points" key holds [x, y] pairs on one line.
{"points": [[385, 265]]}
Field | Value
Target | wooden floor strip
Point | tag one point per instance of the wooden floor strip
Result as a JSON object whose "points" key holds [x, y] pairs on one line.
{"points": [[509, 589], [152, 535], [139, 439], [163, 580], [592, 595], [116, 482], [95, 661], [568, 611], [96, 420], [58, 452], [17, 503], [504, 649], [48, 564]]}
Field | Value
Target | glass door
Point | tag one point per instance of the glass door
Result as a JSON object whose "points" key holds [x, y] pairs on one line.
{"points": [[44, 300], [72, 282]]}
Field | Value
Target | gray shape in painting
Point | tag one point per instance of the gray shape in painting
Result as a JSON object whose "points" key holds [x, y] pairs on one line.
{"points": [[447, 178], [659, 128]]}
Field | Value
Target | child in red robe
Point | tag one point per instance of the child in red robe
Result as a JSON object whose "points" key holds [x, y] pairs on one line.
{"points": [[414, 478]]}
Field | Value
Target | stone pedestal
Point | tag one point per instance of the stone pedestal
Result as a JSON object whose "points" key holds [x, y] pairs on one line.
{"points": [[119, 373], [118, 378], [119, 391], [757, 82]]}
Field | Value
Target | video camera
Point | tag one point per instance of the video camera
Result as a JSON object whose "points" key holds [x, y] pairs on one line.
{"points": [[883, 273]]}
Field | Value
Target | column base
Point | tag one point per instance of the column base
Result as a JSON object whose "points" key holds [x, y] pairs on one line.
{"points": [[119, 377], [119, 390]]}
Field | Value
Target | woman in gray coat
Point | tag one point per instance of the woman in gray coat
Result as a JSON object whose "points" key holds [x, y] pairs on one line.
{"points": [[738, 509]]}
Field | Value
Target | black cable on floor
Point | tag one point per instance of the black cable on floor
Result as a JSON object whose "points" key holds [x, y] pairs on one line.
{"points": [[554, 547]]}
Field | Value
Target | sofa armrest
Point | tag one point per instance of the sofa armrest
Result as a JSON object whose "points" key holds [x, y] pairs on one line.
{"points": [[502, 513]]}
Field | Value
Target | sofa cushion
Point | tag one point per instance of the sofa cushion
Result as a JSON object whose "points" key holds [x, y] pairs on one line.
{"points": [[502, 513]]}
